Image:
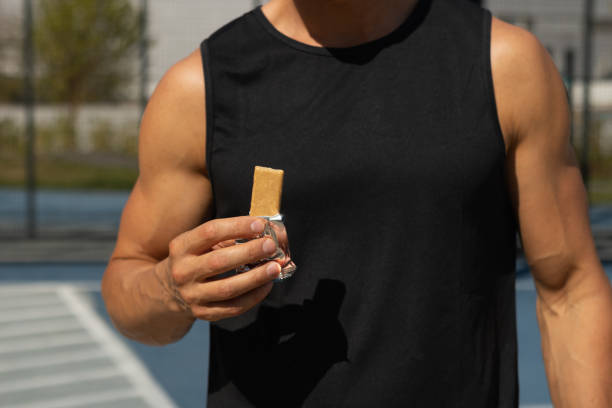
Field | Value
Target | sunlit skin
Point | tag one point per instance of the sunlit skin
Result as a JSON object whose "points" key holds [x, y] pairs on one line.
{"points": [[164, 238], [337, 23]]}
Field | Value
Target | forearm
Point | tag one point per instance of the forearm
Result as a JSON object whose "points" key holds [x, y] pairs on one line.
{"points": [[576, 327], [139, 305]]}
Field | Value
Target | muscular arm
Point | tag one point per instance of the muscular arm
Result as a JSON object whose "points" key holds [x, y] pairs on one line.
{"points": [[574, 305], [163, 273], [172, 195]]}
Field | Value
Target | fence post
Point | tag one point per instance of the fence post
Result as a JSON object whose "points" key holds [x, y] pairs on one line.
{"points": [[30, 131], [587, 62], [143, 46], [569, 73]]}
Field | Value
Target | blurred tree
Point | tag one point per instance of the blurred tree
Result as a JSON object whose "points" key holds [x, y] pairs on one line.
{"points": [[10, 47], [85, 50]]}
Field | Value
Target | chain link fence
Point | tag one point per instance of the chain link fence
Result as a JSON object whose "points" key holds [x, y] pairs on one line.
{"points": [[578, 35], [93, 64]]}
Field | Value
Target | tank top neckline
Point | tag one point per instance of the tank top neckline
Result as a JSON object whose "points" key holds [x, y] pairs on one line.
{"points": [[404, 29]]}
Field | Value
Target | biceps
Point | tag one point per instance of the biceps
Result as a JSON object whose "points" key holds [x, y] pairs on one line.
{"points": [[159, 210], [553, 213]]}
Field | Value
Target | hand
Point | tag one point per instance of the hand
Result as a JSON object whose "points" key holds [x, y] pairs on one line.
{"points": [[198, 256]]}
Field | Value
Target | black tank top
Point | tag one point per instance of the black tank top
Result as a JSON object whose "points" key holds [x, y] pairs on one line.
{"points": [[397, 210]]}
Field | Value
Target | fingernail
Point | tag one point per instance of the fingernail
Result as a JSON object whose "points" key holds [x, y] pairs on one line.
{"points": [[257, 226], [273, 269], [269, 246]]}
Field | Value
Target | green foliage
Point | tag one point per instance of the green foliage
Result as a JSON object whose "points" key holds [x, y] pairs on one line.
{"points": [[600, 156], [11, 84], [129, 140], [11, 89], [115, 139], [84, 48], [101, 136], [56, 136], [11, 140], [58, 172], [112, 165]]}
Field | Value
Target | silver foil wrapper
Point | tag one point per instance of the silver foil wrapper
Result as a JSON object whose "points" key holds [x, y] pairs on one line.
{"points": [[274, 229]]}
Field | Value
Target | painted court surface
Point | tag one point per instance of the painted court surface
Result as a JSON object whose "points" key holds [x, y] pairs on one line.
{"points": [[58, 349]]}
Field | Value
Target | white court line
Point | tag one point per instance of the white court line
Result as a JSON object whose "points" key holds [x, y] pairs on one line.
{"points": [[54, 379], [33, 314], [43, 327], [45, 342], [8, 290], [28, 301], [51, 359], [116, 349], [18, 288], [82, 400]]}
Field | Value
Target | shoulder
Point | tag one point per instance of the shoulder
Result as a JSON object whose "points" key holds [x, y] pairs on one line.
{"points": [[173, 127], [526, 81], [184, 79], [517, 52]]}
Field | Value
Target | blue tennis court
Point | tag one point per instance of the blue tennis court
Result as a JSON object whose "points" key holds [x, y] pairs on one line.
{"points": [[58, 348]]}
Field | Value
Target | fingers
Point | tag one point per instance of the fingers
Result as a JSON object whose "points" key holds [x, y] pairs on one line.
{"points": [[205, 236], [230, 308], [228, 258], [234, 286], [224, 244]]}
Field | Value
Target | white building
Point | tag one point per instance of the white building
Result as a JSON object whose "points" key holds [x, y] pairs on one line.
{"points": [[558, 24], [177, 27]]}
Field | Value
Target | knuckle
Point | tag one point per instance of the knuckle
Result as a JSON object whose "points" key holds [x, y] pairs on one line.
{"points": [[234, 311], [260, 278], [189, 298], [206, 314], [216, 261], [227, 291], [209, 231], [254, 250], [174, 246], [176, 273]]}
